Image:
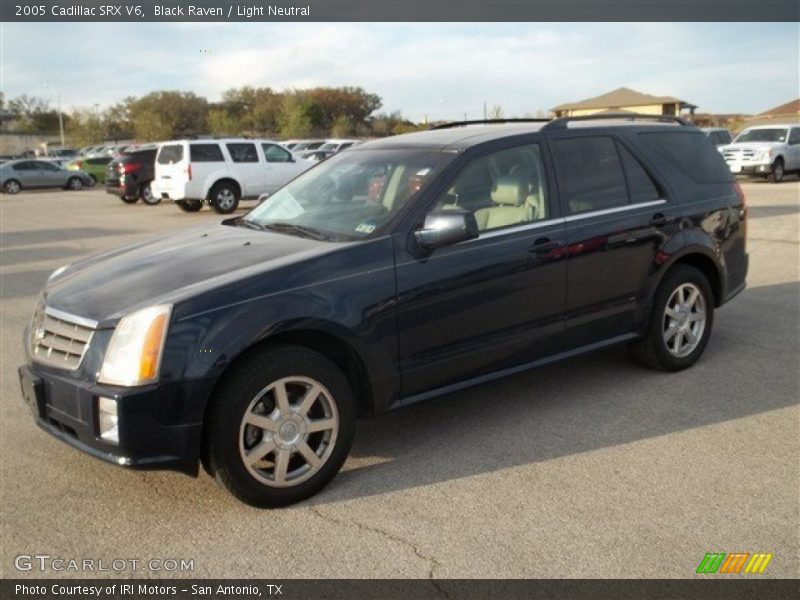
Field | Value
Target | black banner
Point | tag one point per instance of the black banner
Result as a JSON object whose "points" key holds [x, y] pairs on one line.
{"points": [[400, 589], [398, 10]]}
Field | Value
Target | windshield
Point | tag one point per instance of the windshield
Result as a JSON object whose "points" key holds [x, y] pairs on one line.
{"points": [[762, 135], [350, 196], [328, 146]]}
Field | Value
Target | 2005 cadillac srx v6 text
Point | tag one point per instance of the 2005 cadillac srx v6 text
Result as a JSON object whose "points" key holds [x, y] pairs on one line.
{"points": [[399, 270]]}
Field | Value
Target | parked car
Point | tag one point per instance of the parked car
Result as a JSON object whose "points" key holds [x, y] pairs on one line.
{"points": [[60, 162], [401, 270], [307, 145], [222, 172], [94, 166], [719, 136], [21, 174], [328, 149], [130, 174], [768, 151]]}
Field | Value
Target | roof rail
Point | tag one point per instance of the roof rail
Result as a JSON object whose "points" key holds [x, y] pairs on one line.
{"points": [[451, 124], [562, 122]]}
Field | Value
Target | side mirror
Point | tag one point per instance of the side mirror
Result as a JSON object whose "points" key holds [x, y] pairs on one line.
{"points": [[447, 227]]}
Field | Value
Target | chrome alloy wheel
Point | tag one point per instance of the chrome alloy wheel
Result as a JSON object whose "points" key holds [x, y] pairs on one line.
{"points": [[225, 199], [288, 431], [684, 320]]}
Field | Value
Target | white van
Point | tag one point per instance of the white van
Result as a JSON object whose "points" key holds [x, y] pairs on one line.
{"points": [[222, 172]]}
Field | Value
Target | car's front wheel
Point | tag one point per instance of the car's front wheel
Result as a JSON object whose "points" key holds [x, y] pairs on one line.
{"points": [[280, 426], [680, 325], [147, 195], [777, 171], [75, 184]]}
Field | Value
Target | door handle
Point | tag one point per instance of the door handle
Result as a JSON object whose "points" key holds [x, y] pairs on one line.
{"points": [[544, 245], [659, 220]]}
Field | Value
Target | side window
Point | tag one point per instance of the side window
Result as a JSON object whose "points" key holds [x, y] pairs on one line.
{"points": [[46, 166], [24, 166], [243, 153], [794, 136], [205, 153], [503, 189], [170, 153], [725, 137], [641, 187], [592, 173], [274, 153]]}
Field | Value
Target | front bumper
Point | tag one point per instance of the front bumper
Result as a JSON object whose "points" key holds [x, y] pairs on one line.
{"points": [[750, 170], [151, 432]]}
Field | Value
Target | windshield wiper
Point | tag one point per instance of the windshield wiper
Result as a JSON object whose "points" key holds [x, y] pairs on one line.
{"points": [[250, 224], [309, 232]]}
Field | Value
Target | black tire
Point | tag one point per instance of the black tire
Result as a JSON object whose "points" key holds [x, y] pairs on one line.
{"points": [[12, 186], [189, 205], [233, 397], [129, 200], [651, 351], [147, 195], [74, 184], [224, 198], [777, 171]]}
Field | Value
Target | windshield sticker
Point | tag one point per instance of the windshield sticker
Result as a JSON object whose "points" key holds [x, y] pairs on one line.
{"points": [[365, 228]]}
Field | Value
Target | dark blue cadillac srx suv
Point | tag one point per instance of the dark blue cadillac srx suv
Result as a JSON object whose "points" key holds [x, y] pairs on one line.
{"points": [[396, 271]]}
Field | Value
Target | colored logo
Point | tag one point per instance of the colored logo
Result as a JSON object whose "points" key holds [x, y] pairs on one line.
{"points": [[737, 562]]}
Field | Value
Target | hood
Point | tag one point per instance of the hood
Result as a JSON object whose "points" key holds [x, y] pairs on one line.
{"points": [[107, 286], [751, 145]]}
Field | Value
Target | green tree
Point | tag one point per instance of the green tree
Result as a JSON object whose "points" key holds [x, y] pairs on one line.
{"points": [[342, 127], [168, 115], [294, 119], [222, 122]]}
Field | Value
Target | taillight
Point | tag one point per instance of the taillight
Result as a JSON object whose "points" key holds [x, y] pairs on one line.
{"points": [[130, 167], [743, 210], [189, 171]]}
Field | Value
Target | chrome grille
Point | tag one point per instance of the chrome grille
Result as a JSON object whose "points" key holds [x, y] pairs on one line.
{"points": [[739, 154], [59, 340]]}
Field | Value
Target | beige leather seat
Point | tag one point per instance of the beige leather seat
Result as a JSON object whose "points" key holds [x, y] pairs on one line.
{"points": [[509, 195]]}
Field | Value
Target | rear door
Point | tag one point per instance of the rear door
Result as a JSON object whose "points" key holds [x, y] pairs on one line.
{"points": [[281, 167], [793, 150], [248, 166], [50, 174], [617, 217]]}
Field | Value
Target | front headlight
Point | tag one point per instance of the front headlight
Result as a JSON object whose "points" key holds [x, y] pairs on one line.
{"points": [[134, 353], [764, 154]]}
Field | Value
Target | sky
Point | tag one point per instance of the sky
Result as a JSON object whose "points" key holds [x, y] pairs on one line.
{"points": [[433, 70]]}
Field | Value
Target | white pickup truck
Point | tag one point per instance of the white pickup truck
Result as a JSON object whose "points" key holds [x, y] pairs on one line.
{"points": [[768, 151], [223, 171]]}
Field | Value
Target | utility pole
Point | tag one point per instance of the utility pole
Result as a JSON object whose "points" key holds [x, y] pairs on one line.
{"points": [[484, 110], [60, 121]]}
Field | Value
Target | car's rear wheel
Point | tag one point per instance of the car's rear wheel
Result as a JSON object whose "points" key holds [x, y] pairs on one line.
{"points": [[777, 171], [74, 184], [224, 198], [280, 426], [129, 199], [12, 186], [680, 325], [189, 205], [147, 195]]}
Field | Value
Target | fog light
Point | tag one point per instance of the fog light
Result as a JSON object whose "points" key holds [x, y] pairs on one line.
{"points": [[108, 419]]}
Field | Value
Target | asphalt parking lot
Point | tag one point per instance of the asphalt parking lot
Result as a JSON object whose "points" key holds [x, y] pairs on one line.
{"points": [[589, 468]]}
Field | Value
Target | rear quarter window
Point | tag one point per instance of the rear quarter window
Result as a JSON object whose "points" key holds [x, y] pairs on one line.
{"points": [[205, 153], [692, 152], [171, 153]]}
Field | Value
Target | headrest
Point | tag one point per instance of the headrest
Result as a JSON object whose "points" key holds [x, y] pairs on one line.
{"points": [[509, 190]]}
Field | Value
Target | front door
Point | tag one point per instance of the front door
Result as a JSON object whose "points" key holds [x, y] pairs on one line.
{"points": [[281, 167], [248, 167], [489, 303]]}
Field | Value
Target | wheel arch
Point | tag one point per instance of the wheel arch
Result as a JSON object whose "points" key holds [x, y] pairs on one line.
{"points": [[213, 181], [702, 259]]}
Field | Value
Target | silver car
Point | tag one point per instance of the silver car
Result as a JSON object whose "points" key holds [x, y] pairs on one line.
{"points": [[16, 175]]}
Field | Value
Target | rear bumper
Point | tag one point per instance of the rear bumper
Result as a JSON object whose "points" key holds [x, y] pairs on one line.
{"points": [[149, 436], [122, 189]]}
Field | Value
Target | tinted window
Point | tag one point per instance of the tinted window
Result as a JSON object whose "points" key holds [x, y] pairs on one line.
{"points": [[692, 152], [170, 153], [25, 166], [144, 155], [274, 153], [102, 160], [205, 153], [503, 189], [641, 187], [243, 153], [794, 136], [46, 166], [592, 173]]}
